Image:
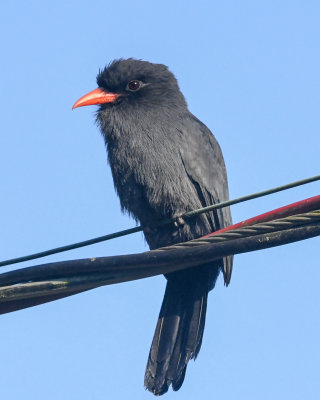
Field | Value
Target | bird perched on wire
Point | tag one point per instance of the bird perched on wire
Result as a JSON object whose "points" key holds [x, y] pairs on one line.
{"points": [[164, 162]]}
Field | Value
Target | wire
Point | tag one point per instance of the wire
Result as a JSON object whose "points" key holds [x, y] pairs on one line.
{"points": [[187, 215], [32, 286]]}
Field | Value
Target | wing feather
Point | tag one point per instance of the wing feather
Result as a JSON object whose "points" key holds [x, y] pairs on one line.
{"points": [[203, 161]]}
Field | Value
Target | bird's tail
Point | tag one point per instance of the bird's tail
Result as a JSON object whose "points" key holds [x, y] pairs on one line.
{"points": [[178, 335]]}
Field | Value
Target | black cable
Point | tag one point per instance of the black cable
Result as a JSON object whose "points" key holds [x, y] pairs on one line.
{"points": [[31, 286], [187, 215]]}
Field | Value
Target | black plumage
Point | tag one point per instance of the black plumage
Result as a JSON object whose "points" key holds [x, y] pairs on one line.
{"points": [[165, 162]]}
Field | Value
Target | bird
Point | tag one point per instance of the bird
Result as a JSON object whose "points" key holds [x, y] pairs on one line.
{"points": [[164, 162]]}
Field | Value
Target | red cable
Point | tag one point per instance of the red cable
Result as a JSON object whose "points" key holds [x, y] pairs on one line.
{"points": [[295, 208]]}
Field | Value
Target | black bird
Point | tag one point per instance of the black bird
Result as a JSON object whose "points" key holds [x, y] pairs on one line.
{"points": [[164, 162]]}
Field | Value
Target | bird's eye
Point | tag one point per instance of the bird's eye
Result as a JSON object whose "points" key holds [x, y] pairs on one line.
{"points": [[133, 86]]}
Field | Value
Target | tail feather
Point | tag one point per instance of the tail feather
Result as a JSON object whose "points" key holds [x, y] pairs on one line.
{"points": [[193, 338], [178, 335]]}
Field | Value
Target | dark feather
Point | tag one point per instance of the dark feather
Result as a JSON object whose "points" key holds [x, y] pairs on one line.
{"points": [[165, 162]]}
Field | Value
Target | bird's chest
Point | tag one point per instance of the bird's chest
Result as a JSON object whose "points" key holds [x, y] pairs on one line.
{"points": [[142, 176]]}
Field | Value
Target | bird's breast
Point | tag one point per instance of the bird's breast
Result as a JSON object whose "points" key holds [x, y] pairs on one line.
{"points": [[148, 176]]}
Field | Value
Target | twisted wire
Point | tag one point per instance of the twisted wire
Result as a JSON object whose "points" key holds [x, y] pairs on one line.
{"points": [[252, 230], [189, 214], [32, 286]]}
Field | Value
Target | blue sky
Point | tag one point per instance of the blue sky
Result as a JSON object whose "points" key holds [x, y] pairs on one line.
{"points": [[250, 71]]}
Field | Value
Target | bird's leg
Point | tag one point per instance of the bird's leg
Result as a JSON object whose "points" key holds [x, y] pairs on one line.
{"points": [[179, 222]]}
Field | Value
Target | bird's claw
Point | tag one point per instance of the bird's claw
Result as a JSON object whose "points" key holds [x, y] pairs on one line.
{"points": [[179, 222]]}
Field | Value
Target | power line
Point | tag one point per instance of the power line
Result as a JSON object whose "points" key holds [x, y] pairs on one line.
{"points": [[187, 215], [32, 286]]}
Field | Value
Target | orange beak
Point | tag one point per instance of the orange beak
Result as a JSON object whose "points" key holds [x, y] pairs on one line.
{"points": [[97, 96]]}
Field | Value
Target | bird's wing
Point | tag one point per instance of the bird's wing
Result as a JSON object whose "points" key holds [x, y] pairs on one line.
{"points": [[204, 164]]}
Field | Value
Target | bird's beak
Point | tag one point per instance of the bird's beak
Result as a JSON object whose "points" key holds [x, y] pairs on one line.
{"points": [[97, 96]]}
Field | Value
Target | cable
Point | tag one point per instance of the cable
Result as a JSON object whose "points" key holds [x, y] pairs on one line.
{"points": [[187, 215], [31, 286]]}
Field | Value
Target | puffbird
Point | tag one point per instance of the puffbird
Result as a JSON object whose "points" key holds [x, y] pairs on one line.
{"points": [[164, 162]]}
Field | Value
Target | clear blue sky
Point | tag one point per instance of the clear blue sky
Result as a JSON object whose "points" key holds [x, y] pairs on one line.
{"points": [[250, 71]]}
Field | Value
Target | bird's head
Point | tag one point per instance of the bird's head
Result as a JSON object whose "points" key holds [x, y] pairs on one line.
{"points": [[132, 82]]}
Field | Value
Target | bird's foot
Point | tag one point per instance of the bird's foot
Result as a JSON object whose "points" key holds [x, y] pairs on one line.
{"points": [[179, 222]]}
